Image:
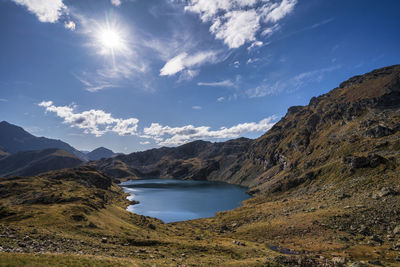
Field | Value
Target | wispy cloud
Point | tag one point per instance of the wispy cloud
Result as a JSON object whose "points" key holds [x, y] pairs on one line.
{"points": [[93, 121], [3, 100], [115, 2], [70, 25], [185, 61], [270, 88], [197, 107], [224, 83], [237, 22]]}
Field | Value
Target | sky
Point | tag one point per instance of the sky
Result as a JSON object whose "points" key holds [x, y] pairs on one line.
{"points": [[132, 75]]}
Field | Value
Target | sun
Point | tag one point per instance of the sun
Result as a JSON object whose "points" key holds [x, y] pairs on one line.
{"points": [[110, 39]]}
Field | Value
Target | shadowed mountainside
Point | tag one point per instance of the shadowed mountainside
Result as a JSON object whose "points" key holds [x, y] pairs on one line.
{"points": [[29, 163], [100, 153], [15, 139]]}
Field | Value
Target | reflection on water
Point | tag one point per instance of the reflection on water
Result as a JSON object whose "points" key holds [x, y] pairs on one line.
{"points": [[177, 200]]}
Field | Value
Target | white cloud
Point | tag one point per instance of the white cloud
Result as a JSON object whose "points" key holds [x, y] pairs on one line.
{"points": [[144, 143], [277, 12], [3, 100], [70, 25], [98, 122], [93, 121], [115, 2], [254, 45], [236, 27], [224, 83], [45, 10], [185, 61], [220, 99], [196, 107], [168, 136], [237, 22]]}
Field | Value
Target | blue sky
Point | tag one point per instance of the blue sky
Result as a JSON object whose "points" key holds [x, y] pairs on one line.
{"points": [[136, 74]]}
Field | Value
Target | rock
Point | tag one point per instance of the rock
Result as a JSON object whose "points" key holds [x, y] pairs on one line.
{"points": [[238, 243], [371, 161], [379, 131], [375, 262], [376, 239], [104, 240], [339, 260], [343, 196], [398, 258], [152, 226], [358, 264], [396, 230], [385, 191]]}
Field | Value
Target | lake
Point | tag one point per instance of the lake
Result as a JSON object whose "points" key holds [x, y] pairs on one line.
{"points": [[177, 200]]}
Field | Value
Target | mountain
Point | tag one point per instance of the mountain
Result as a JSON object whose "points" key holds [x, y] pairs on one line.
{"points": [[28, 163], [198, 160], [358, 121], [100, 153], [15, 139], [3, 153]]}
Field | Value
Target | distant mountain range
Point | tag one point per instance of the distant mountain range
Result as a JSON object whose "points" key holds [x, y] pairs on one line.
{"points": [[100, 153], [15, 139], [23, 154]]}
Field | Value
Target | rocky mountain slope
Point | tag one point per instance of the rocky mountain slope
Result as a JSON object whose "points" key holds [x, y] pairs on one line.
{"points": [[198, 160], [100, 153], [15, 139], [30, 163]]}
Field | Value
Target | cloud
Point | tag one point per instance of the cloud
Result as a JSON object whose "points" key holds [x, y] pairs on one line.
{"points": [[93, 121], [270, 88], [185, 61], [144, 143], [115, 2], [220, 99], [224, 83], [197, 107], [254, 45], [70, 25], [237, 22], [3, 100], [168, 136], [275, 12], [236, 27], [99, 122], [45, 10]]}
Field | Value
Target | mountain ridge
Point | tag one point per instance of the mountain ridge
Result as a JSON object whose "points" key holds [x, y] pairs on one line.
{"points": [[15, 139]]}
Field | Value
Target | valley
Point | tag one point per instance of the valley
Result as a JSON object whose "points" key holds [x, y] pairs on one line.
{"points": [[324, 182]]}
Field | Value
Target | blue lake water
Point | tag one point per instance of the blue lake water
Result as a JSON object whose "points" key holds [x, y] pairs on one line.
{"points": [[177, 200]]}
